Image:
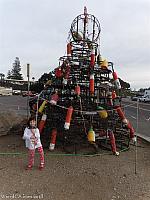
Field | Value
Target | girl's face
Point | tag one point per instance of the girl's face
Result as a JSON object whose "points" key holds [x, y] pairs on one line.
{"points": [[32, 123]]}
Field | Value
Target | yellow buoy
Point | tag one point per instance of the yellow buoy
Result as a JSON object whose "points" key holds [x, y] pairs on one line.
{"points": [[104, 64], [42, 106], [91, 135], [103, 114]]}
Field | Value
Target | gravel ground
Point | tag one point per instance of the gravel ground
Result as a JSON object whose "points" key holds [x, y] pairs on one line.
{"points": [[104, 177]]}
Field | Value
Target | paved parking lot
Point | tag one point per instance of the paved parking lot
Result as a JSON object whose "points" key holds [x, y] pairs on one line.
{"points": [[14, 103]]}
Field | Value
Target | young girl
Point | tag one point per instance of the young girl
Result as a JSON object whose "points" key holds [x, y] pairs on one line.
{"points": [[32, 140]]}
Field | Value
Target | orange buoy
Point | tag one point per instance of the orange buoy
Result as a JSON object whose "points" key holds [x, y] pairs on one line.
{"points": [[92, 84], [131, 129], [42, 123], [69, 49], [53, 139], [120, 113], [68, 118], [116, 80], [113, 142]]}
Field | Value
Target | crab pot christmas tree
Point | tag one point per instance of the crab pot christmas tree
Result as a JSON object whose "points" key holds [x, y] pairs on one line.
{"points": [[81, 103]]}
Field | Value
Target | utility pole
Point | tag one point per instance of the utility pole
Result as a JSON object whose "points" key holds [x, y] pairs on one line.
{"points": [[28, 76]]}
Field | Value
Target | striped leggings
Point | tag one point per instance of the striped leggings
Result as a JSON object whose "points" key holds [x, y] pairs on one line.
{"points": [[31, 155]]}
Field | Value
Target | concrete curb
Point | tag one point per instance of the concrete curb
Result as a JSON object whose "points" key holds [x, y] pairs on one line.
{"points": [[144, 137]]}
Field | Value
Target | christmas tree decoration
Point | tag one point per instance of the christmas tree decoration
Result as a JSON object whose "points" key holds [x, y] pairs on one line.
{"points": [[84, 94]]}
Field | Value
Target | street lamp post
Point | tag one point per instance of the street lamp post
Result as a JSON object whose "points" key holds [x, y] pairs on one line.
{"points": [[28, 76]]}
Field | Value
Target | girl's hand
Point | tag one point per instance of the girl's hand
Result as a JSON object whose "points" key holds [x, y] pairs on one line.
{"points": [[33, 140], [32, 137]]}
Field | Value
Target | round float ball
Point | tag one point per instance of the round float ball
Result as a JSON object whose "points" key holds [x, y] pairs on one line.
{"points": [[103, 114]]}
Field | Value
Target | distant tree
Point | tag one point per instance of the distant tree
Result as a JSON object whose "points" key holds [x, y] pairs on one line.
{"points": [[15, 72], [9, 74], [141, 90], [39, 85], [45, 77]]}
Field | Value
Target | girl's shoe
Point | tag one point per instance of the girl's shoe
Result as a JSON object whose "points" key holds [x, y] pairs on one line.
{"points": [[41, 166], [29, 167]]}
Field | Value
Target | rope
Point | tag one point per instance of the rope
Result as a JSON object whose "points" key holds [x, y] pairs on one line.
{"points": [[82, 111], [62, 154]]}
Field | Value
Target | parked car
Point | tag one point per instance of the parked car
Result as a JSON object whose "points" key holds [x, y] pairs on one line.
{"points": [[16, 92], [5, 91], [145, 98], [136, 97], [25, 94]]}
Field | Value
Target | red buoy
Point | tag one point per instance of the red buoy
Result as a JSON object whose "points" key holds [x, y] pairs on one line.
{"points": [[120, 113], [113, 142], [116, 80], [42, 123], [69, 49], [131, 129], [92, 84], [53, 139], [58, 72], [92, 61], [68, 118]]}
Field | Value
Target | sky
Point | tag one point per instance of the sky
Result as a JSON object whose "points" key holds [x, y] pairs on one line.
{"points": [[36, 31]]}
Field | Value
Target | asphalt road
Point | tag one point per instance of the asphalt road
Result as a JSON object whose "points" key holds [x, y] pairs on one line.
{"points": [[141, 124], [140, 118]]}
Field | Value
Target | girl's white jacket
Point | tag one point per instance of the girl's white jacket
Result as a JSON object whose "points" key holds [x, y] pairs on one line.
{"points": [[27, 135]]}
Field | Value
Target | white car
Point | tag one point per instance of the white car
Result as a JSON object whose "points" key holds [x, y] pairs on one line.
{"points": [[145, 98]]}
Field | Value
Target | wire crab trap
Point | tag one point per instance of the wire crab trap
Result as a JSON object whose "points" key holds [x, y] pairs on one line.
{"points": [[81, 103]]}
